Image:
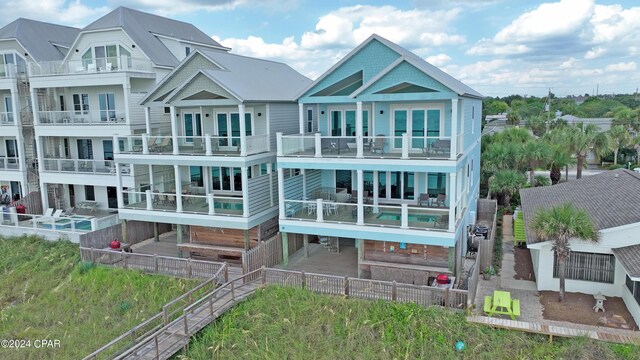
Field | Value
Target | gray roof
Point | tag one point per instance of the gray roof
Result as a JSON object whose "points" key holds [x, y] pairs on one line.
{"points": [[603, 123], [251, 79], [413, 59], [141, 27], [40, 38], [629, 256], [611, 198]]}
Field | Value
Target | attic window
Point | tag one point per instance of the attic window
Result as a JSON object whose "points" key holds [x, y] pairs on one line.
{"points": [[343, 87], [204, 95], [167, 110], [404, 88]]}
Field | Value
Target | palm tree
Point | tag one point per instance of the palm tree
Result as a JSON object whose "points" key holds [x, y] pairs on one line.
{"points": [[534, 152], [620, 138], [560, 155], [505, 183], [583, 138], [560, 224]]}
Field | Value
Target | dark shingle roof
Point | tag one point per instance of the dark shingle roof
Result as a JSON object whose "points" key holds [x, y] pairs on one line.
{"points": [[142, 27], [629, 256], [612, 199], [40, 39]]}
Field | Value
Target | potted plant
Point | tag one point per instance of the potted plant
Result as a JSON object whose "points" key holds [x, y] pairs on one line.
{"points": [[488, 271]]}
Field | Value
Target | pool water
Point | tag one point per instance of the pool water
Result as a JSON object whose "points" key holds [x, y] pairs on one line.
{"points": [[412, 217], [227, 206], [65, 224]]}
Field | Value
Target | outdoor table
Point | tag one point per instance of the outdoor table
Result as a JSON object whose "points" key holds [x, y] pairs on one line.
{"points": [[501, 303]]}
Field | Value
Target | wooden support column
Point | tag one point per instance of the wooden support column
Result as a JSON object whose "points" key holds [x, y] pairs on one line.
{"points": [[156, 232], [360, 255], [179, 238], [125, 235], [305, 239], [285, 249], [245, 233]]}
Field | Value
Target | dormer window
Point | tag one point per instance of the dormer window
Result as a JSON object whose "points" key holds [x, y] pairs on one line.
{"points": [[106, 58]]}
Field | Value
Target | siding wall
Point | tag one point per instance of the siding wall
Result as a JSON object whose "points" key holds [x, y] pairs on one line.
{"points": [[259, 194], [283, 118]]}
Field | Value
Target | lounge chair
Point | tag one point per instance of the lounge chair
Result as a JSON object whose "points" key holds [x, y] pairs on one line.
{"points": [[57, 213], [440, 200], [48, 213], [424, 200], [378, 145], [160, 146]]}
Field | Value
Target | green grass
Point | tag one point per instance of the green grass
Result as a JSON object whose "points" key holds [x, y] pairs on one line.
{"points": [[46, 293], [287, 323]]}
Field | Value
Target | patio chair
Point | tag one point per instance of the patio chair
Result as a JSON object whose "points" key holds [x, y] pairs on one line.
{"points": [[48, 213], [378, 145], [160, 146], [57, 213], [440, 200], [424, 200], [290, 211]]}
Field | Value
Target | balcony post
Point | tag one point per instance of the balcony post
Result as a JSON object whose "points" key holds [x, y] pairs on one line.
{"points": [[376, 186], [244, 174], [174, 130], [126, 88], [452, 202], [149, 195], [304, 184], [34, 106], [405, 146], [116, 145], [268, 121], [207, 144], [359, 142], [178, 175], [279, 144], [212, 208], [360, 211], [319, 210], [281, 211], [243, 131], [119, 195], [145, 144], [59, 165], [147, 119], [454, 130], [404, 216], [301, 118], [318, 143]]}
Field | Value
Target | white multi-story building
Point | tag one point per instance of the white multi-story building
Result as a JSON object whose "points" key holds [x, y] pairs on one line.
{"points": [[23, 42], [91, 95]]}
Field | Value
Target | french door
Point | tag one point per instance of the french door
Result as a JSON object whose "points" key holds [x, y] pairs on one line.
{"points": [[228, 128], [396, 185], [343, 122], [424, 125], [192, 126]]}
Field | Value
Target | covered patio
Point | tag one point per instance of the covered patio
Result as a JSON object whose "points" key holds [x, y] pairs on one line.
{"points": [[322, 259]]}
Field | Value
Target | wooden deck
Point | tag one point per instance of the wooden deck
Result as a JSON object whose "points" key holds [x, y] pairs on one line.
{"points": [[593, 332]]}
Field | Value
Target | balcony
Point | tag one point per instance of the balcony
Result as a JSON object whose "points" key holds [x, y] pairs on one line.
{"points": [[187, 202], [93, 167], [379, 146], [194, 145], [9, 163], [96, 117], [91, 66], [6, 119], [401, 216], [9, 71]]}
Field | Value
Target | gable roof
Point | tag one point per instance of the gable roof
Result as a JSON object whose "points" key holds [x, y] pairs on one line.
{"points": [[405, 55], [611, 198], [251, 79], [42, 41], [603, 123], [629, 256], [143, 27]]}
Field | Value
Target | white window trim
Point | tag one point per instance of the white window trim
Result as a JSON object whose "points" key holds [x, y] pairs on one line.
{"points": [[409, 109], [228, 113], [343, 109]]}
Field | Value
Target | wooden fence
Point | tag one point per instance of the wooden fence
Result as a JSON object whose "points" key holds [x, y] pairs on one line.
{"points": [[472, 282], [267, 253], [170, 312], [487, 213], [32, 203], [172, 266]]}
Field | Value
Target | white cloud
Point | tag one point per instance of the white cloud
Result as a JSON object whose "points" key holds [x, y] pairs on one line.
{"points": [[339, 31], [171, 7], [621, 66], [438, 60], [74, 12]]}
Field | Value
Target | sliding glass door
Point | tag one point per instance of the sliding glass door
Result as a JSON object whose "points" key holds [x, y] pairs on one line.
{"points": [[423, 124], [343, 122], [228, 127]]}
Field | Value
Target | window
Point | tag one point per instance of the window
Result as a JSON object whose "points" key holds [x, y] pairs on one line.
{"points": [[8, 104], [196, 175], [187, 50], [107, 107], [107, 150], [81, 104], [634, 288], [309, 120], [226, 179], [106, 58], [85, 149], [89, 193], [62, 107], [167, 110], [192, 126], [588, 267], [473, 112], [288, 173], [436, 184]]}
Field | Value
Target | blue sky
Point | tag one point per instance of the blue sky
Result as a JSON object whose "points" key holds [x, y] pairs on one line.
{"points": [[499, 47]]}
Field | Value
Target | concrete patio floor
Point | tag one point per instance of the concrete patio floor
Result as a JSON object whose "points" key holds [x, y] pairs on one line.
{"points": [[322, 261]]}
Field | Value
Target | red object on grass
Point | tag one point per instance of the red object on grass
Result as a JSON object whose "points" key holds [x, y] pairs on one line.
{"points": [[442, 279], [115, 244]]}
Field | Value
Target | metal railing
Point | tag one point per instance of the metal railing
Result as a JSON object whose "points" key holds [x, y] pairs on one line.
{"points": [[395, 216], [184, 202], [9, 71], [207, 145], [70, 224], [90, 66], [88, 117], [379, 146], [80, 166], [9, 163], [7, 119]]}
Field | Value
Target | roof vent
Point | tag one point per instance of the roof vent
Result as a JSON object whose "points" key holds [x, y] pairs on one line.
{"points": [[615, 176]]}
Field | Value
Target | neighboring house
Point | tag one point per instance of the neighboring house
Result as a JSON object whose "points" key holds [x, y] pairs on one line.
{"points": [[610, 267], [210, 169], [387, 159], [494, 124], [23, 42], [603, 123], [92, 94]]}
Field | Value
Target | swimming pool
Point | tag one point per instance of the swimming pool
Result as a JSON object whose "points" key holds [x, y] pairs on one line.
{"points": [[387, 216], [235, 206], [81, 223]]}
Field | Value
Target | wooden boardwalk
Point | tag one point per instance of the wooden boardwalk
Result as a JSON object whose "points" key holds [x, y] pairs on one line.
{"points": [[593, 332]]}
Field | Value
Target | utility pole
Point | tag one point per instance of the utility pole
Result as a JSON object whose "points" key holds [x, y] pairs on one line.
{"points": [[547, 108]]}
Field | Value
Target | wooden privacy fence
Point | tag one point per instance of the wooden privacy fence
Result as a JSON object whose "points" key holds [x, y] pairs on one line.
{"points": [[170, 311], [472, 282], [487, 213], [32, 203], [267, 253], [172, 266]]}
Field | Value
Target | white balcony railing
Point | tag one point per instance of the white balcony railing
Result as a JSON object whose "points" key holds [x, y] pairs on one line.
{"points": [[379, 146], [9, 163], [193, 145], [397, 216], [73, 224], [93, 117], [6, 119], [187, 203], [460, 144], [9, 71], [91, 66], [77, 166]]}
